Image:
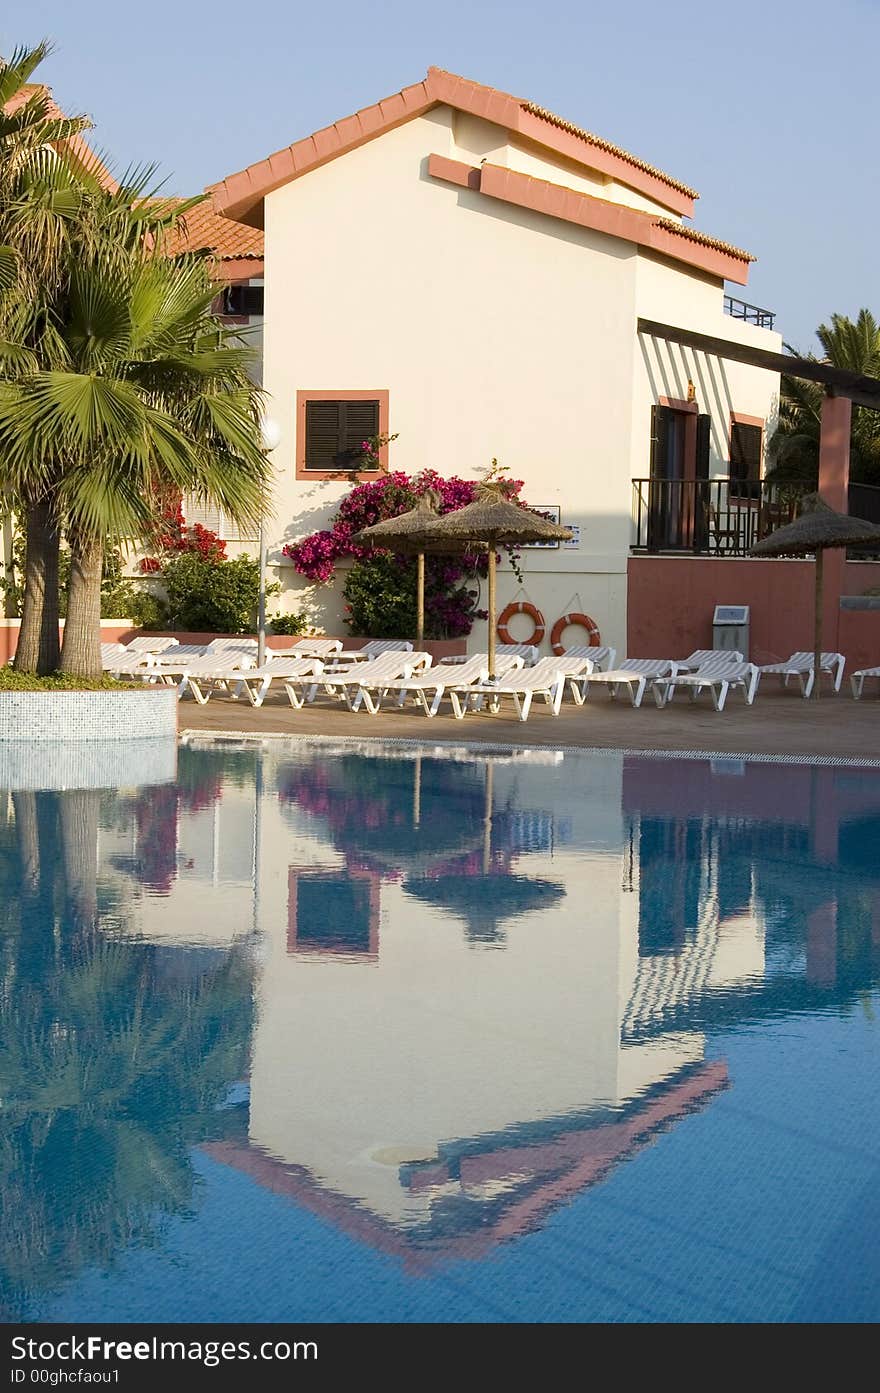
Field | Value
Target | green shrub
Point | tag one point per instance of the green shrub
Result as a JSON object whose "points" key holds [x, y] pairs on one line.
{"points": [[218, 597], [12, 681], [145, 610], [288, 623], [380, 596]]}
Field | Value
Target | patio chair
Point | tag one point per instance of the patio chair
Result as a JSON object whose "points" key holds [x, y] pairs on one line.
{"points": [[858, 680], [801, 665], [546, 679], [435, 681], [718, 676], [350, 683], [632, 673], [255, 682]]}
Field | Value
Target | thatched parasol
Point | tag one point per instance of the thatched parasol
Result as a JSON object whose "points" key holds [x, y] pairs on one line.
{"points": [[816, 529], [493, 518], [407, 534]]}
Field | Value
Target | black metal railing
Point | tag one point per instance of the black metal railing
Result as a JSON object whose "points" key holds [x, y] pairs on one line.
{"points": [[726, 517], [710, 517], [752, 314]]}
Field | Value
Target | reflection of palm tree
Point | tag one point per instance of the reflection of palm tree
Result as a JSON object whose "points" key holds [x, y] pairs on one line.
{"points": [[111, 1066]]}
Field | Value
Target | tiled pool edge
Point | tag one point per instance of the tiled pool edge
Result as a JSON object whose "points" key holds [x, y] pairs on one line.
{"points": [[478, 747], [85, 717]]}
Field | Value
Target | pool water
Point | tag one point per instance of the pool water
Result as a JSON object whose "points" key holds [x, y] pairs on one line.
{"points": [[410, 1034]]}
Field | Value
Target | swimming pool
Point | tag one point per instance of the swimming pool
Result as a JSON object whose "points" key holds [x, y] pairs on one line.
{"points": [[314, 1032]]}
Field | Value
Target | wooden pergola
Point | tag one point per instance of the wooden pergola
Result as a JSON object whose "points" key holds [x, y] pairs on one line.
{"points": [[842, 389]]}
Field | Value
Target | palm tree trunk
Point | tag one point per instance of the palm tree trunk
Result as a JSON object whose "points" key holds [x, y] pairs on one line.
{"points": [[81, 649], [38, 645]]}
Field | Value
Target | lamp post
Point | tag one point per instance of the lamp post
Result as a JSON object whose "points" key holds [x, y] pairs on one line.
{"points": [[270, 439]]}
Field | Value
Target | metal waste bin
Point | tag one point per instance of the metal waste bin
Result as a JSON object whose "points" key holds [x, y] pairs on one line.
{"points": [[730, 629]]}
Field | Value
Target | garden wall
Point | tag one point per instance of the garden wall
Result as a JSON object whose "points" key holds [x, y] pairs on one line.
{"points": [[671, 601]]}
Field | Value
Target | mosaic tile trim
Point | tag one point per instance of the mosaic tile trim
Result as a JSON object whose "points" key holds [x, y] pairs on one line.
{"points": [[55, 766], [245, 739], [69, 717]]}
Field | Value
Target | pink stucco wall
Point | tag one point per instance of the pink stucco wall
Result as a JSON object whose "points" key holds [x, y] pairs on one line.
{"points": [[671, 600]]}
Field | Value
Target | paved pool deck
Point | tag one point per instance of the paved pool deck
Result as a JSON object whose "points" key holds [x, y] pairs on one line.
{"points": [[778, 724]]}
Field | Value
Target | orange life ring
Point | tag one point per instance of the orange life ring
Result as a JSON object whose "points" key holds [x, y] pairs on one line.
{"points": [[583, 621], [521, 607]]}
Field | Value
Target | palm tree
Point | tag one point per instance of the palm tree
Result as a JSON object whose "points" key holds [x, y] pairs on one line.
{"points": [[39, 195], [137, 387], [794, 448]]}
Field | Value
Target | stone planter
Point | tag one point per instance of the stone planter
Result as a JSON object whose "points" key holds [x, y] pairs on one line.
{"points": [[148, 713]]}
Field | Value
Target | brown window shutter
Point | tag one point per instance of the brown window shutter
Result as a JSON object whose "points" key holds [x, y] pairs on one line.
{"points": [[746, 450], [336, 431]]}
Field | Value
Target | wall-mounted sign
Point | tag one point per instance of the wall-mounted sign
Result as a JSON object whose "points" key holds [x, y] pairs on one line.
{"points": [[550, 511], [574, 529]]}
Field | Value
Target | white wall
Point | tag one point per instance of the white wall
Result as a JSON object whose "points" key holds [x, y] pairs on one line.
{"points": [[497, 332]]}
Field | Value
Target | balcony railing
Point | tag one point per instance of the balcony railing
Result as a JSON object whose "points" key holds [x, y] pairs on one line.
{"points": [[725, 517], [752, 314], [711, 517]]}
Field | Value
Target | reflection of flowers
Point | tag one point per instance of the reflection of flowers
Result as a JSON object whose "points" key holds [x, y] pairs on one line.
{"points": [[157, 814], [367, 806]]}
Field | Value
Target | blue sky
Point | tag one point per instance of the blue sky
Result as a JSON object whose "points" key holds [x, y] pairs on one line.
{"points": [[766, 108]]}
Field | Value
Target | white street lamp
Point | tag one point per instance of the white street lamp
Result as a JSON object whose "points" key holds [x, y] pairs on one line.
{"points": [[270, 439]]}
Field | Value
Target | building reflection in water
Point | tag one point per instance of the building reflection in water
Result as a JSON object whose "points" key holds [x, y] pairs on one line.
{"points": [[429, 998]]}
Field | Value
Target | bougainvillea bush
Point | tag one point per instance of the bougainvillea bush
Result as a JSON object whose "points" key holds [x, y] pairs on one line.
{"points": [[380, 588]]}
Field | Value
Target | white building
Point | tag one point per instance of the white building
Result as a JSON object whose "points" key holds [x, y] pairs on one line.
{"points": [[467, 270]]}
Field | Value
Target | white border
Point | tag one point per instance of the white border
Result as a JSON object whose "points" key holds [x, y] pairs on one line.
{"points": [[189, 737]]}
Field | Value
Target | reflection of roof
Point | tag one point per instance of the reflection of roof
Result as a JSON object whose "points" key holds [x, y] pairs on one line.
{"points": [[522, 1183]]}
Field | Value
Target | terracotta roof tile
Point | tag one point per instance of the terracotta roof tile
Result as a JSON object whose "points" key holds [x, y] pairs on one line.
{"points": [[241, 193], [703, 238], [203, 229], [606, 145]]}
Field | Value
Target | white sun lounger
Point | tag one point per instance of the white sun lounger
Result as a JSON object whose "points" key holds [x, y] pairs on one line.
{"points": [[152, 643], [700, 656], [632, 673], [601, 658], [546, 679], [718, 677], [858, 679], [436, 680], [351, 682], [255, 682], [801, 665], [309, 648], [374, 649], [117, 659]]}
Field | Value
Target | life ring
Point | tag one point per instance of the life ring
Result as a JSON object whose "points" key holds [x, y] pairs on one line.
{"points": [[521, 607], [583, 621]]}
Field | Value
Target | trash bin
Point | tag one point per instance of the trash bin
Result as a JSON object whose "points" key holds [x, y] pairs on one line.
{"points": [[730, 629]]}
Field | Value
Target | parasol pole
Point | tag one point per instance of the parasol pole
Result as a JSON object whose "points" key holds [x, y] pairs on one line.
{"points": [[420, 601], [417, 792], [817, 625], [487, 818], [491, 644]]}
